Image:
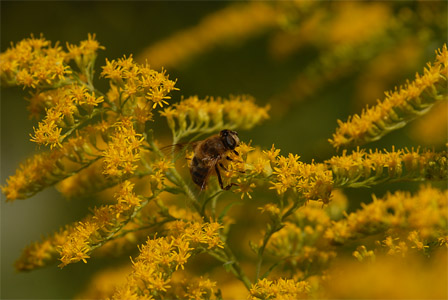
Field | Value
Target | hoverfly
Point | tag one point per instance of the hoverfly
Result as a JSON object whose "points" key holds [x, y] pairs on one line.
{"points": [[209, 155]]}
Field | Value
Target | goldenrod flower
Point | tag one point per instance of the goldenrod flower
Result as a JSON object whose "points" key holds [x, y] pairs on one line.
{"points": [[85, 54], [33, 63], [245, 188], [161, 256], [75, 242], [103, 142], [45, 169], [200, 288], [426, 212], [134, 82], [123, 150], [313, 181], [279, 289], [399, 107], [193, 116], [365, 169]]}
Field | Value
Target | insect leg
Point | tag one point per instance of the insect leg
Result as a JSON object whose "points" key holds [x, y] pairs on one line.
{"points": [[219, 177], [227, 187]]}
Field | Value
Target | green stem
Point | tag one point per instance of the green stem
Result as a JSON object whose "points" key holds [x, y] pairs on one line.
{"points": [[271, 230], [227, 257]]}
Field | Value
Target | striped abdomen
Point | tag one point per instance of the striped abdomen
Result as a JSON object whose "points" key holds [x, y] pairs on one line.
{"points": [[199, 172]]}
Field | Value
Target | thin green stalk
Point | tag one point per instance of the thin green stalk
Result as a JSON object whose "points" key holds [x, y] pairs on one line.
{"points": [[271, 230]]}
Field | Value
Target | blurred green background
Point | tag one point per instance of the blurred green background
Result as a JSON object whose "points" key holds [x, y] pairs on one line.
{"points": [[406, 35]]}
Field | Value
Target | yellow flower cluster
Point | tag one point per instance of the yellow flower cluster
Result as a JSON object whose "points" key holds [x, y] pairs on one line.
{"points": [[399, 106], [365, 169], [84, 55], [34, 63], [314, 181], [297, 241], [362, 254], [104, 282], [32, 176], [160, 257], [280, 289], [135, 82], [123, 150], [47, 168], [309, 237], [87, 181], [65, 95], [94, 230], [425, 212], [193, 115], [75, 242], [64, 108], [200, 288]]}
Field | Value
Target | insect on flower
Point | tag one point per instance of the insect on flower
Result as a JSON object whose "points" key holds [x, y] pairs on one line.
{"points": [[209, 155]]}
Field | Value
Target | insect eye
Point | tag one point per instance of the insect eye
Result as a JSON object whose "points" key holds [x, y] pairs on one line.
{"points": [[225, 133], [231, 143]]}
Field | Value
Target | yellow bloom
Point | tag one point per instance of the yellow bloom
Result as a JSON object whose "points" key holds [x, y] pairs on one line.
{"points": [[279, 289], [365, 169], [399, 106], [161, 256], [200, 288], [425, 211], [47, 168], [123, 150], [244, 187], [138, 81], [192, 115]]}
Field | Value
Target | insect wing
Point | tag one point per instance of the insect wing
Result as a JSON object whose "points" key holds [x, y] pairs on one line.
{"points": [[177, 150]]}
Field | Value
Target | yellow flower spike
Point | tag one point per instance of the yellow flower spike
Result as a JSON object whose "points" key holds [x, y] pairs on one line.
{"points": [[272, 153], [425, 211], [123, 150], [398, 108], [366, 169], [161, 256], [200, 288], [138, 81], [279, 289], [192, 115], [42, 65]]}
